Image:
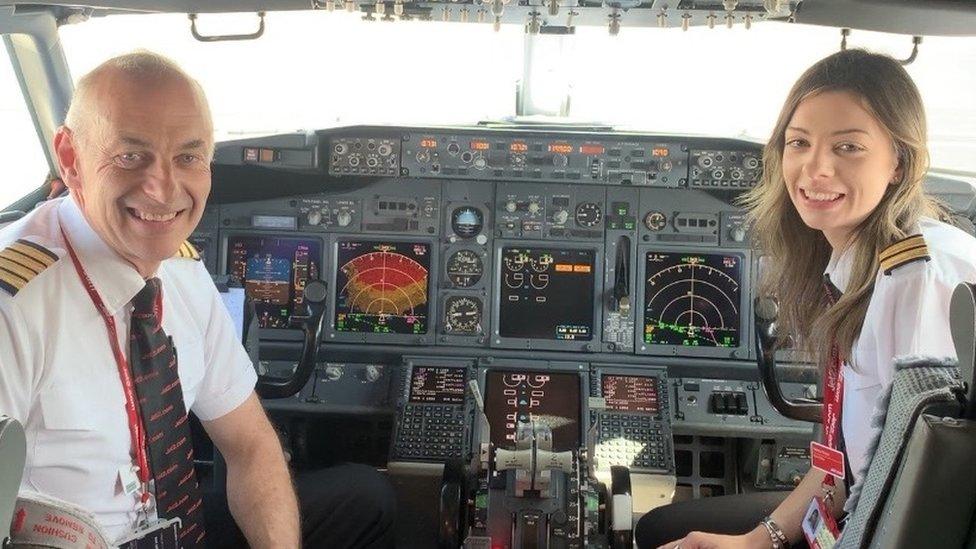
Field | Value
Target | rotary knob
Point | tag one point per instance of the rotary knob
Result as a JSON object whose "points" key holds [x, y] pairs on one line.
{"points": [[560, 161], [314, 217], [372, 373], [534, 207], [333, 373], [343, 218], [511, 206], [737, 234], [560, 217]]}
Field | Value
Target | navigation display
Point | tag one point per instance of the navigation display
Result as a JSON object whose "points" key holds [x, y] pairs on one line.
{"points": [[547, 293], [437, 385], [692, 299], [550, 398], [381, 287], [631, 393], [274, 272]]}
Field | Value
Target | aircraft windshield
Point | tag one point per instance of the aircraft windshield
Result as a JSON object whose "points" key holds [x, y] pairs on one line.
{"points": [[317, 70]]}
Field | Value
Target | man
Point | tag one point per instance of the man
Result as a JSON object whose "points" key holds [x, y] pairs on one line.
{"points": [[102, 330]]}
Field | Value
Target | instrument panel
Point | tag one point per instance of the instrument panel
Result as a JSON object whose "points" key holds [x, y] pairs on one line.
{"points": [[571, 274], [523, 240]]}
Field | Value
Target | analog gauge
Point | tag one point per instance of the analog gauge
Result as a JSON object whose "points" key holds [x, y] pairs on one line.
{"points": [[588, 214], [516, 262], [467, 221], [655, 221], [542, 263], [464, 268], [462, 315]]}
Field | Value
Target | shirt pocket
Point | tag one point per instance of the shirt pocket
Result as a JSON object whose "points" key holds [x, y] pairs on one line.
{"points": [[82, 440]]}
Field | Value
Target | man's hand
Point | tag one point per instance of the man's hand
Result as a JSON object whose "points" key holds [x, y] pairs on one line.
{"points": [[259, 490], [756, 539]]}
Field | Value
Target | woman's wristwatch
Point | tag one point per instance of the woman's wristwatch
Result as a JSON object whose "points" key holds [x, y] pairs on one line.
{"points": [[776, 534]]}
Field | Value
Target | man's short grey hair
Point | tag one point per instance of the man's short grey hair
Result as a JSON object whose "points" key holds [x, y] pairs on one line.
{"points": [[138, 65]]}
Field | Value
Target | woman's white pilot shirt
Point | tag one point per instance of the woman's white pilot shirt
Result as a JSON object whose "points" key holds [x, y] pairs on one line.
{"points": [[908, 315], [58, 375]]}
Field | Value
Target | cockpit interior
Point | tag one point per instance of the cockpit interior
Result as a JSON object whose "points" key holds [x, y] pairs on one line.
{"points": [[537, 326]]}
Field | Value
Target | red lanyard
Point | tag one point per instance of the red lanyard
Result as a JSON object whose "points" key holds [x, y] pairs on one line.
{"points": [[833, 402], [136, 428], [833, 399]]}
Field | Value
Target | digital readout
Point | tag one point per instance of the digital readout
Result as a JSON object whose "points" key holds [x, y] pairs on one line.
{"points": [[631, 393], [561, 148], [437, 385], [480, 145], [428, 143]]}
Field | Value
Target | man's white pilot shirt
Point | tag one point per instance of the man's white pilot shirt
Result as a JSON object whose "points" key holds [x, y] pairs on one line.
{"points": [[908, 315], [58, 375]]}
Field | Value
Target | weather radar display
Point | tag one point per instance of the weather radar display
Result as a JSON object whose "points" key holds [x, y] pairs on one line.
{"points": [[381, 287], [692, 299]]}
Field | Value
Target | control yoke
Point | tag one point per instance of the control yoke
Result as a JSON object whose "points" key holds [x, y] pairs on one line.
{"points": [[316, 293], [765, 311]]}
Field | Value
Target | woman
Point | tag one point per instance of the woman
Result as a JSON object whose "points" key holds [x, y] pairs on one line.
{"points": [[862, 269]]}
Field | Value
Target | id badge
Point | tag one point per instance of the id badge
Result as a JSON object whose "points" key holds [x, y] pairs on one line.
{"points": [[163, 534], [819, 527], [827, 459]]}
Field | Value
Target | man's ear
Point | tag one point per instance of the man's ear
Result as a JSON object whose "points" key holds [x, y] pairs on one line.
{"points": [[66, 151]]}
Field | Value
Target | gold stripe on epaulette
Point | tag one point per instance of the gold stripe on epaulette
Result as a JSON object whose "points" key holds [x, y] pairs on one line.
{"points": [[21, 262], [36, 251], [23, 259], [17, 269], [900, 246], [11, 282], [908, 256], [188, 251]]}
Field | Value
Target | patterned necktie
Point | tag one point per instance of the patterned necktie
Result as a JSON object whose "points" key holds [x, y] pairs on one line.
{"points": [[153, 361]]}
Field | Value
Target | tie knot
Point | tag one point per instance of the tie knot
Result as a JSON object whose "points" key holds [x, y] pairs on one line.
{"points": [[144, 302]]}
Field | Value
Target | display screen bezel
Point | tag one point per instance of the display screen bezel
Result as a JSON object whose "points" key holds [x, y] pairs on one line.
{"points": [[537, 368], [433, 280], [224, 265], [591, 345], [742, 351]]}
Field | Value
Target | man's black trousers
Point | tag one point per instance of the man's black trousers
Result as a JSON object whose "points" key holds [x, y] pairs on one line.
{"points": [[343, 507]]}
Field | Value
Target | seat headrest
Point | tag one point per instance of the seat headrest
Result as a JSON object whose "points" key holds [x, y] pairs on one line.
{"points": [[13, 452]]}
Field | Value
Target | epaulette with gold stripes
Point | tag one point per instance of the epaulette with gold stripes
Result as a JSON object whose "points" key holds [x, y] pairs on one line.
{"points": [[903, 252], [187, 251], [21, 262]]}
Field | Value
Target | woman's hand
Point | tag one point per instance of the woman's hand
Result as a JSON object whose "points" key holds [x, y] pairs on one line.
{"points": [[756, 539]]}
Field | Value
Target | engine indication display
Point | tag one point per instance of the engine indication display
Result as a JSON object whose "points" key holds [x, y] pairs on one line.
{"points": [[631, 393], [692, 299], [464, 268], [519, 397], [381, 287], [547, 293], [437, 385], [274, 272]]}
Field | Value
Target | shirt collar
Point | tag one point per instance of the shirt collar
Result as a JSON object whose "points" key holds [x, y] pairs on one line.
{"points": [[115, 279], [839, 268]]}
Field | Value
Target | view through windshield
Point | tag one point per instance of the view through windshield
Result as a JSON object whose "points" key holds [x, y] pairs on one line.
{"points": [[316, 70]]}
